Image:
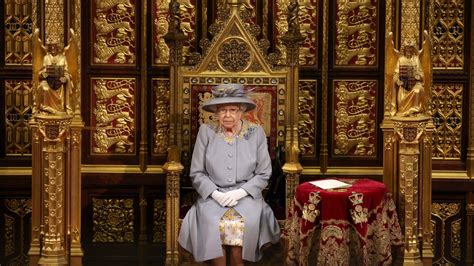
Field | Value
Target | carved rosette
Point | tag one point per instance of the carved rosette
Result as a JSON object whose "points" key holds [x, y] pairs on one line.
{"points": [[355, 117], [113, 115], [356, 33], [113, 220], [114, 34], [234, 55]]}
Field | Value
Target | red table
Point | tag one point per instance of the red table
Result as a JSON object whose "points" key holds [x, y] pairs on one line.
{"points": [[357, 225]]}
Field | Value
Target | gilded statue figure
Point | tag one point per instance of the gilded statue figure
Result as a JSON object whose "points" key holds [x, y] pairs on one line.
{"points": [[408, 78], [55, 75]]}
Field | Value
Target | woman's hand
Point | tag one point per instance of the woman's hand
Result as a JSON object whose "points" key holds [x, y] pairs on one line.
{"points": [[224, 199], [237, 194]]}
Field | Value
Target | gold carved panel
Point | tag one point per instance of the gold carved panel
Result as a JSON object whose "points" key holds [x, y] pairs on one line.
{"points": [[447, 233], [112, 220], [18, 110], [447, 105], [356, 33], [114, 33], [160, 9], [161, 115], [16, 229], [113, 115], [307, 117], [355, 116], [448, 34], [18, 32], [159, 221], [309, 21]]}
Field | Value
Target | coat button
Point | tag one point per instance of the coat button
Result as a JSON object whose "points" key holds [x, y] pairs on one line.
{"points": [[229, 167], [230, 155], [230, 180]]}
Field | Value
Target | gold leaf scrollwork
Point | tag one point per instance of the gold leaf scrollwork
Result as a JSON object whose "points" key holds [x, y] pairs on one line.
{"points": [[161, 112], [159, 221], [307, 117]]}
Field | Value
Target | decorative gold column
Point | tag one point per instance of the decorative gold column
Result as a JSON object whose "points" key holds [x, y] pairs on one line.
{"points": [[175, 39], [414, 157], [173, 168], [54, 132], [292, 40]]}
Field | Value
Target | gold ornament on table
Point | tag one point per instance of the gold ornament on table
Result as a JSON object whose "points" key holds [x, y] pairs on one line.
{"points": [[55, 74], [407, 78]]}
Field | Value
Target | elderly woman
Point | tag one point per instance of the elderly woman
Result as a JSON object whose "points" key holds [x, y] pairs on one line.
{"points": [[230, 167]]}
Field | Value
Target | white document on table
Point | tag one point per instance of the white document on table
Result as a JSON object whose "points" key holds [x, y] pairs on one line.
{"points": [[330, 184]]}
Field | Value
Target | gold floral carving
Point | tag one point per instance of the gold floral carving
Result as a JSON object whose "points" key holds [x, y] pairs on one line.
{"points": [[234, 55], [54, 21], [21, 208], [9, 235], [114, 115], [308, 19], [159, 221], [355, 109], [18, 31], [187, 11], [455, 249], [445, 210], [161, 24], [112, 220], [451, 248], [447, 106], [356, 35], [161, 89], [307, 117], [18, 110], [410, 24], [448, 34], [114, 40]]}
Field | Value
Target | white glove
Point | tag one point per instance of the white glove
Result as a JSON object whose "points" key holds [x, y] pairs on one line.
{"points": [[237, 194], [223, 199]]}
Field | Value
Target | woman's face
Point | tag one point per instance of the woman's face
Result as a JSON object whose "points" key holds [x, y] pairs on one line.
{"points": [[229, 115]]}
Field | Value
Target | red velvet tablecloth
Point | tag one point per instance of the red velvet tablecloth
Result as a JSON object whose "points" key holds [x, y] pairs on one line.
{"points": [[353, 226]]}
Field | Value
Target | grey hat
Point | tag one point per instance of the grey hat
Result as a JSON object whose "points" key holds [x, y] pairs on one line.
{"points": [[227, 94]]}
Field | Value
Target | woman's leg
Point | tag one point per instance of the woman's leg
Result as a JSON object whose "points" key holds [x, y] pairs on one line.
{"points": [[219, 261], [236, 256]]}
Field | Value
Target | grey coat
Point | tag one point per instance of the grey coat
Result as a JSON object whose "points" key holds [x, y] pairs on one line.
{"points": [[216, 164]]}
